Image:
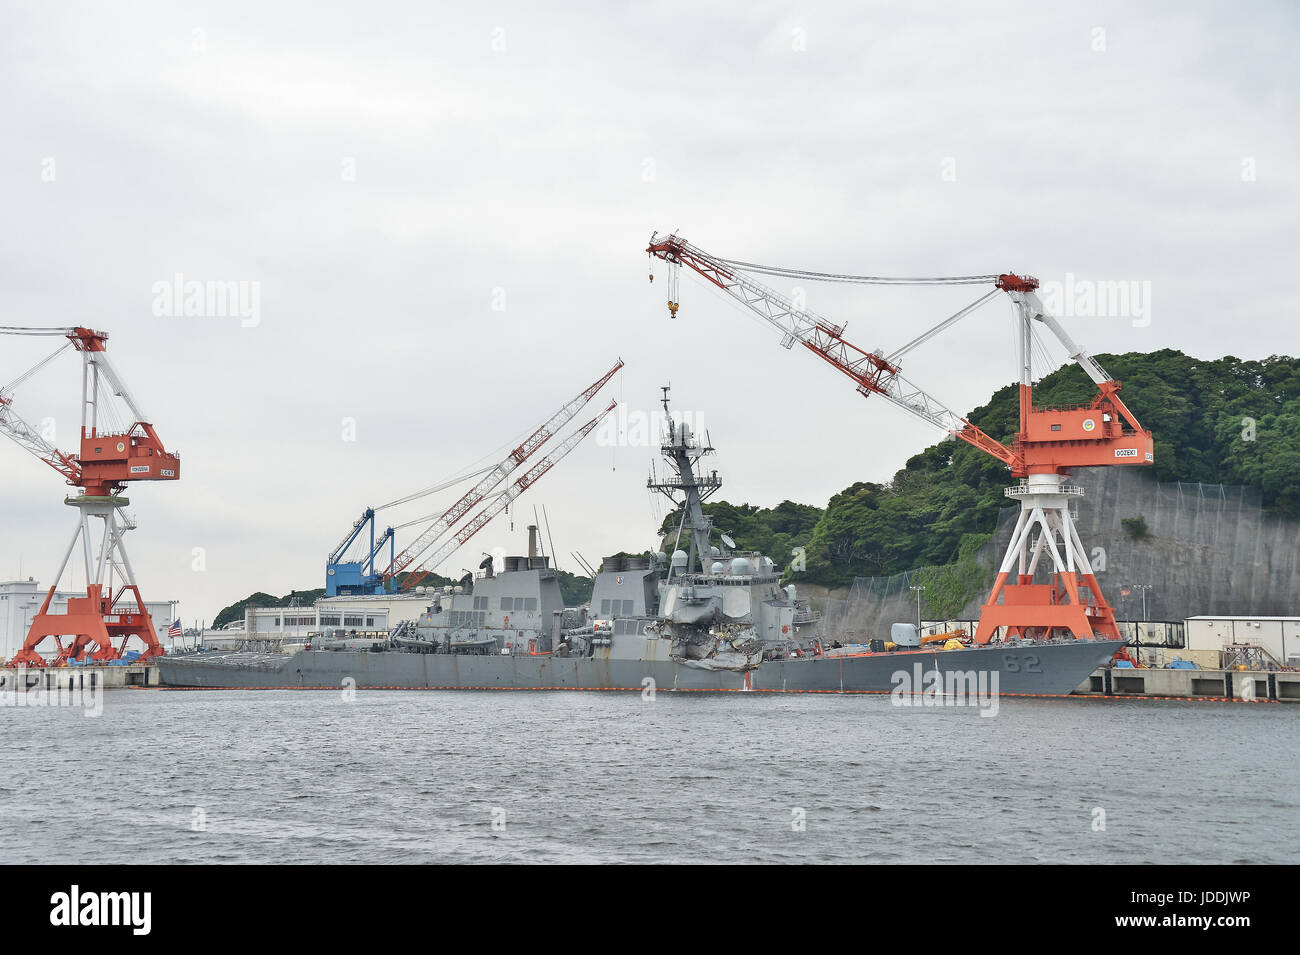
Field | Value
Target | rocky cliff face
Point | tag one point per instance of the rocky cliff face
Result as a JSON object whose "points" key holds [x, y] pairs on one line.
{"points": [[1205, 549]]}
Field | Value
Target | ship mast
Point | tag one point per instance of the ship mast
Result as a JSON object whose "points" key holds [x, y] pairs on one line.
{"points": [[682, 450]]}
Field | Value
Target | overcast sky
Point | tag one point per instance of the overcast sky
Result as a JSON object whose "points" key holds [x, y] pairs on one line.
{"points": [[443, 209]]}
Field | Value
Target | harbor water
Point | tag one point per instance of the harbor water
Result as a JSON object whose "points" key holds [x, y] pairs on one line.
{"points": [[568, 777]]}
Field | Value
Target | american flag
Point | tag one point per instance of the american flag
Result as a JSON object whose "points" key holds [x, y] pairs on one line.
{"points": [[174, 630]]}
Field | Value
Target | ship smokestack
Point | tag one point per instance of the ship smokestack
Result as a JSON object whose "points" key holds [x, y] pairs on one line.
{"points": [[532, 540]]}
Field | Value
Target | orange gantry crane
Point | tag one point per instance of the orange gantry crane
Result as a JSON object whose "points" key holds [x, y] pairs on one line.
{"points": [[110, 457], [1029, 598]]}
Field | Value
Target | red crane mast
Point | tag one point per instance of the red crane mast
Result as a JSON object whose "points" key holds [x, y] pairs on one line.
{"points": [[1048, 445], [107, 461]]}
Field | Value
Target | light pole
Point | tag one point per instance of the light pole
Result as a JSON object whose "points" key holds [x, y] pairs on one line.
{"points": [[918, 590], [1137, 639], [1144, 588]]}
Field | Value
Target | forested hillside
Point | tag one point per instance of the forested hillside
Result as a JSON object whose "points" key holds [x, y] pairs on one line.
{"points": [[1225, 421]]}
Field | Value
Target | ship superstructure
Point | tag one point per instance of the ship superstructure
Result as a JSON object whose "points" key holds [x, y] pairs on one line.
{"points": [[508, 612], [722, 609]]}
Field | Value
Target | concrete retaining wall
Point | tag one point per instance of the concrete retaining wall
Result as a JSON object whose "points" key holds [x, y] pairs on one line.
{"points": [[1209, 549], [80, 677], [1280, 685]]}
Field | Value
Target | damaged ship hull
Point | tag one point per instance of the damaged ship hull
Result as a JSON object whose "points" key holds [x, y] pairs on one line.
{"points": [[1022, 669]]}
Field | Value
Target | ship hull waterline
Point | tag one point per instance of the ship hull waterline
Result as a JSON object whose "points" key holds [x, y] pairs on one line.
{"points": [[1022, 669]]}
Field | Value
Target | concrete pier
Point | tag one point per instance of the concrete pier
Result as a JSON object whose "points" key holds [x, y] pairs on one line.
{"points": [[78, 678], [1282, 686]]}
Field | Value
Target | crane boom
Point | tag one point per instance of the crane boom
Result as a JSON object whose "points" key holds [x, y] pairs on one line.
{"points": [[357, 527], [503, 500], [25, 436], [872, 372], [450, 517]]}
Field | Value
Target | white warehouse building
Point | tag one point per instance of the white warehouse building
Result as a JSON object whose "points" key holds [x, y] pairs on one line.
{"points": [[1280, 636], [292, 622], [395, 608]]}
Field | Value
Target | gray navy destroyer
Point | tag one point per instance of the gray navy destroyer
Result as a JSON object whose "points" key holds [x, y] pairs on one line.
{"points": [[708, 617]]}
